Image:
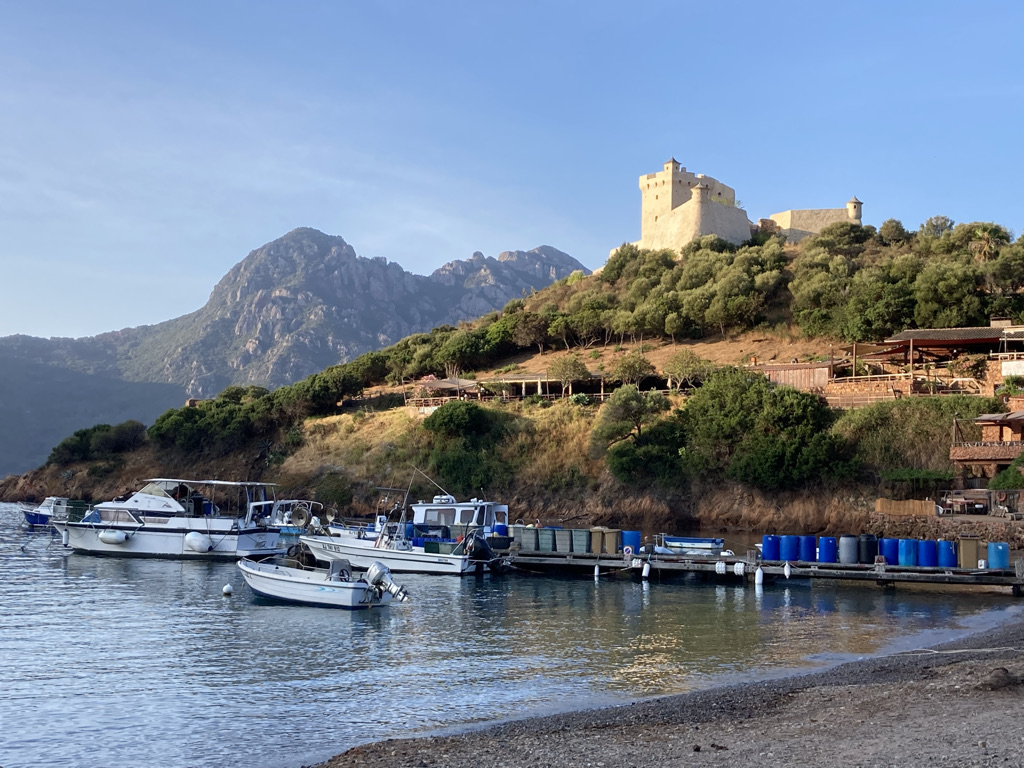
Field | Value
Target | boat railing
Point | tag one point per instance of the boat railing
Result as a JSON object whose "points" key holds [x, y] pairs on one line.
{"points": [[73, 512]]}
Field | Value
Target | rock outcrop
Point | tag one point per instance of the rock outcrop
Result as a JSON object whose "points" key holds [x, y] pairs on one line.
{"points": [[289, 309]]}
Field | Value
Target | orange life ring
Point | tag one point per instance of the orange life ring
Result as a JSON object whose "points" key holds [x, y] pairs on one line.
{"points": [[1000, 495]]}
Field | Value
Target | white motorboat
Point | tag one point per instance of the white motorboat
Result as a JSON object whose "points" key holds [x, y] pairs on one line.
{"points": [[298, 580], [172, 518], [444, 536], [398, 553], [441, 518]]}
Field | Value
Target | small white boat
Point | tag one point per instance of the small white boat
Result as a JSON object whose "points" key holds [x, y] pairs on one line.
{"points": [[295, 580], [173, 518], [692, 545]]}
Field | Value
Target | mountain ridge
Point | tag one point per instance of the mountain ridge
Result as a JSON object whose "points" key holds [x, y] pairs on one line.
{"points": [[289, 309]]}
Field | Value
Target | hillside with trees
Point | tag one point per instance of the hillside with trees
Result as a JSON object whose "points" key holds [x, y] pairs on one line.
{"points": [[641, 455], [287, 310]]}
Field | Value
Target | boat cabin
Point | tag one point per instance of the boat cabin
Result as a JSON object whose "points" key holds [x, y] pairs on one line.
{"points": [[445, 512], [163, 497]]}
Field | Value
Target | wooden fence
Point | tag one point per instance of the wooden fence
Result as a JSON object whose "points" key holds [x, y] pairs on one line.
{"points": [[909, 508]]}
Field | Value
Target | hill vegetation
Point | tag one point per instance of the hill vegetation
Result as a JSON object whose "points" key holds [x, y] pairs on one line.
{"points": [[289, 309], [719, 425]]}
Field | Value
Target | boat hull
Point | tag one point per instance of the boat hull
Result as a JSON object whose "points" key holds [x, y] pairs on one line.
{"points": [[171, 540], [304, 587], [362, 553], [37, 519]]}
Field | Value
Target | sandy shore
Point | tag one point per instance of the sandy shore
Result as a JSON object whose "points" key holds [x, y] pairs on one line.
{"points": [[959, 704]]}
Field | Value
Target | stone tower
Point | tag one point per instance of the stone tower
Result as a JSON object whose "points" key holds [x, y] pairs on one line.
{"points": [[854, 209], [677, 206]]}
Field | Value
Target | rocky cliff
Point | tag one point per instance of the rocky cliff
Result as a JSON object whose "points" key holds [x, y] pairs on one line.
{"points": [[289, 309]]}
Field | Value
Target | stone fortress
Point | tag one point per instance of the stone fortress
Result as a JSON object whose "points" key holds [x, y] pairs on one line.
{"points": [[678, 206]]}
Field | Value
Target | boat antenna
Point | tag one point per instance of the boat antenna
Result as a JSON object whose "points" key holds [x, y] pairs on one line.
{"points": [[430, 479]]}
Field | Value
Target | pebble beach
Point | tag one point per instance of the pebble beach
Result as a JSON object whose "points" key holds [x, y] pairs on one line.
{"points": [[956, 704]]}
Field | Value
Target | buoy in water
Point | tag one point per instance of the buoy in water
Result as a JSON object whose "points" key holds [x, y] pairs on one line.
{"points": [[227, 590]]}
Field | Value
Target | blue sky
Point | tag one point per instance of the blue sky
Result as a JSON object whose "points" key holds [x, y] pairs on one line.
{"points": [[146, 148]]}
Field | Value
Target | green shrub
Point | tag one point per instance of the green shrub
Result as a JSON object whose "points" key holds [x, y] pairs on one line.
{"points": [[458, 418]]}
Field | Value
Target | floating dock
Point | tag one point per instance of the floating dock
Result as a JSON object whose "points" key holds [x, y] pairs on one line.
{"points": [[745, 568]]}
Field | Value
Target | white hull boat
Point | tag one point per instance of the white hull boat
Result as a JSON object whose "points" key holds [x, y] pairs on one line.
{"points": [[291, 580], [171, 518], [400, 558]]}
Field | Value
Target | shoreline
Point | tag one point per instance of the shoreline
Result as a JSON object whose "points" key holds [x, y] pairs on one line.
{"points": [[954, 704]]}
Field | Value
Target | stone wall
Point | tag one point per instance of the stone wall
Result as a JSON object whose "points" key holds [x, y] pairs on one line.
{"points": [[798, 224], [948, 527], [862, 387]]}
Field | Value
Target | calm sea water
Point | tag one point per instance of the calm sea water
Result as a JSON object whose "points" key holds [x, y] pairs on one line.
{"points": [[112, 662]]}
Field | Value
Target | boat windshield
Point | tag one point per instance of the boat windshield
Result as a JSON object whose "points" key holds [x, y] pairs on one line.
{"points": [[439, 515], [154, 489]]}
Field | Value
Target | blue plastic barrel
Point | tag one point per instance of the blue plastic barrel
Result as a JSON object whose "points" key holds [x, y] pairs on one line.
{"points": [[867, 548], [770, 547], [828, 549], [890, 550], [631, 539], [927, 553], [998, 554], [849, 549], [410, 530], [908, 552], [789, 548], [808, 549], [947, 554], [500, 529]]}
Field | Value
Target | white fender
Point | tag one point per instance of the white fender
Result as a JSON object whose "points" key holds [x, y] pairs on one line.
{"points": [[647, 570], [759, 576], [787, 571], [738, 569], [112, 537], [65, 537], [198, 542], [720, 567]]}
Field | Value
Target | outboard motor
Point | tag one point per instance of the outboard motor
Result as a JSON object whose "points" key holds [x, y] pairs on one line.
{"points": [[478, 549], [379, 575]]}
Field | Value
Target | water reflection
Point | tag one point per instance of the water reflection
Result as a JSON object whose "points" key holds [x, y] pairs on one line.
{"points": [[145, 662]]}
